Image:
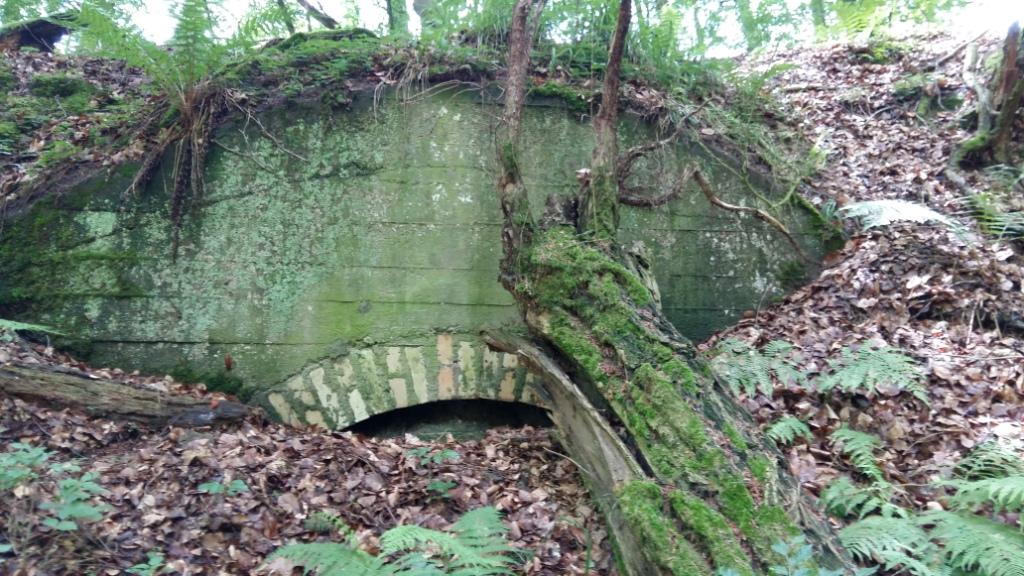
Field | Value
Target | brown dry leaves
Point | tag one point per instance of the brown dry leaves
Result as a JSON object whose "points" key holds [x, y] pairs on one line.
{"points": [[153, 479], [957, 307]]}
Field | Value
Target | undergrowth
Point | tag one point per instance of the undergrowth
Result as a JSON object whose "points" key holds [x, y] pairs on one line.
{"points": [[474, 546]]}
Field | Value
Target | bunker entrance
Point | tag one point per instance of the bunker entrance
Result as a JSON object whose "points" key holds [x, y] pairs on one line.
{"points": [[463, 419]]}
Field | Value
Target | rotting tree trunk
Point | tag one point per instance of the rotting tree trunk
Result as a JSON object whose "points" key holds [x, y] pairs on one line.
{"points": [[108, 399], [686, 482], [1006, 100]]}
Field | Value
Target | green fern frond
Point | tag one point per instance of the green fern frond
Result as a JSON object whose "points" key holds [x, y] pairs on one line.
{"points": [[786, 430], [869, 368], [895, 543], [477, 542], [992, 459], [1005, 494], [331, 559], [860, 448], [875, 213], [844, 499], [475, 546], [748, 370], [977, 545], [13, 326]]}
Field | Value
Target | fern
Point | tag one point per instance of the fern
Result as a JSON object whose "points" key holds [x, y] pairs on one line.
{"points": [[331, 559], [748, 370], [876, 213], [860, 448], [892, 542], [992, 459], [869, 368], [475, 546], [786, 430], [844, 499], [13, 326], [975, 544], [1006, 493]]}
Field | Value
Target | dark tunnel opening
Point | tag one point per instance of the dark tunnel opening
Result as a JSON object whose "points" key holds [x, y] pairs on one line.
{"points": [[463, 419]]}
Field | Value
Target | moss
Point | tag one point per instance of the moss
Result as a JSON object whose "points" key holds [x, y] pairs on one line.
{"points": [[712, 532], [735, 500], [7, 79], [214, 380], [573, 97], [770, 524], [641, 504], [682, 375], [759, 466], [791, 274], [56, 152], [735, 437], [574, 343], [58, 85]]}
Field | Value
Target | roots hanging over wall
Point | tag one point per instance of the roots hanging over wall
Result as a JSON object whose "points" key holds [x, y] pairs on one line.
{"points": [[684, 478]]}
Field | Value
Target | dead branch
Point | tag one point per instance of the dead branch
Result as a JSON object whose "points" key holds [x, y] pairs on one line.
{"points": [[630, 197], [115, 400], [761, 215], [318, 15], [637, 152]]}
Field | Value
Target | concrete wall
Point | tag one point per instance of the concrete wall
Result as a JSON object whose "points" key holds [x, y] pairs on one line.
{"points": [[346, 260]]}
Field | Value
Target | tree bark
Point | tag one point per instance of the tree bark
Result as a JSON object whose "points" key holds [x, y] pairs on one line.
{"points": [[685, 480], [108, 399], [1005, 99], [398, 17]]}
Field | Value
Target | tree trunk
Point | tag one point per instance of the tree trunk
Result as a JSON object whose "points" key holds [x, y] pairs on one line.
{"points": [[398, 18], [818, 16], [685, 480], [1005, 99], [107, 399]]}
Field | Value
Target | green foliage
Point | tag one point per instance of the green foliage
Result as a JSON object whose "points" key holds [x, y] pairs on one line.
{"points": [[876, 213], [425, 454], [58, 85], [153, 565], [475, 546], [860, 448], [975, 544], [72, 503], [992, 459], [952, 542], [893, 542], [18, 465], [440, 488], [233, 488], [323, 522], [845, 499], [786, 430], [13, 326], [868, 368], [748, 370], [1004, 493]]}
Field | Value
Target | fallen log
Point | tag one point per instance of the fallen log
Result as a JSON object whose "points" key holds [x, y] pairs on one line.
{"points": [[109, 399]]}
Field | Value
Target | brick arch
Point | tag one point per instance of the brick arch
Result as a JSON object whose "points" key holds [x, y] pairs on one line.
{"points": [[341, 391]]}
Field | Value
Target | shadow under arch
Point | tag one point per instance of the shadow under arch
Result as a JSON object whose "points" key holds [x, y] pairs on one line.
{"points": [[466, 419]]}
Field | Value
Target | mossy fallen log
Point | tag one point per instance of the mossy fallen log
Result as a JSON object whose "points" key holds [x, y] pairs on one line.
{"points": [[115, 400]]}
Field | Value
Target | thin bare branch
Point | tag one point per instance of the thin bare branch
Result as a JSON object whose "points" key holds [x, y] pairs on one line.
{"points": [[761, 215], [631, 197], [318, 15]]}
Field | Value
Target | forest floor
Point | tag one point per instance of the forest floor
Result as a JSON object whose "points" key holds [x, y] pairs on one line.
{"points": [[952, 302]]}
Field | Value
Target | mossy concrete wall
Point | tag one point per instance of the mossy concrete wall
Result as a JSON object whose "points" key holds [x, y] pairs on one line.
{"points": [[347, 259]]}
